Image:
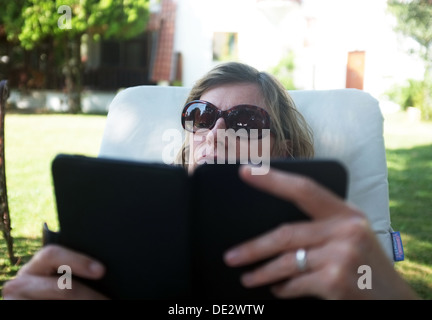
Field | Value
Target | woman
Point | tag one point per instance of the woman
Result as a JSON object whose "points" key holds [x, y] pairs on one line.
{"points": [[319, 258], [234, 84]]}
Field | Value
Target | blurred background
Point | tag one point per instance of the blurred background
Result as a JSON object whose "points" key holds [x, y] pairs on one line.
{"points": [[75, 55], [65, 60]]}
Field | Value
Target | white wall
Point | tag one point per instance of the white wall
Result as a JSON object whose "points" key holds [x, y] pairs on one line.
{"points": [[265, 35], [350, 25], [262, 39]]}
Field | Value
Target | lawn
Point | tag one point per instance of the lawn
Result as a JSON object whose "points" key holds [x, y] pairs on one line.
{"points": [[32, 141], [409, 160]]}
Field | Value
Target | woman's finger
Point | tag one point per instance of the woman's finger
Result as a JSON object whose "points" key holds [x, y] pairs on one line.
{"points": [[286, 237], [47, 288], [292, 236], [313, 199], [300, 287], [47, 261], [280, 268]]}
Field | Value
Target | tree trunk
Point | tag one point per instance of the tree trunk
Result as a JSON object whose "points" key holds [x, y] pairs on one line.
{"points": [[72, 72], [5, 222], [427, 107]]}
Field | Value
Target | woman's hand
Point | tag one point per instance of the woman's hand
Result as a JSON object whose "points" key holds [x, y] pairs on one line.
{"points": [[337, 240], [38, 279]]}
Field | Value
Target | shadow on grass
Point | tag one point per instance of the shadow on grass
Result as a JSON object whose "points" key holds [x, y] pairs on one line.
{"points": [[410, 190], [24, 248]]}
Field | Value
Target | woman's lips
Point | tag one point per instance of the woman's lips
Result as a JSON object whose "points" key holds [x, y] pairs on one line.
{"points": [[206, 158]]}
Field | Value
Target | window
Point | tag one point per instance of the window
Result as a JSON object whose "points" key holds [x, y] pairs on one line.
{"points": [[225, 46]]}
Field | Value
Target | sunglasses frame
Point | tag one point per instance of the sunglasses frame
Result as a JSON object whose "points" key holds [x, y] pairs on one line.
{"points": [[226, 113]]}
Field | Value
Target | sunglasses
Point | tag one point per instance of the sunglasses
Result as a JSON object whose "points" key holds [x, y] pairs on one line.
{"points": [[204, 115]]}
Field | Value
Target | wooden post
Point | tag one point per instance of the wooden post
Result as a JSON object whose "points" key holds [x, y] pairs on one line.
{"points": [[5, 222]]}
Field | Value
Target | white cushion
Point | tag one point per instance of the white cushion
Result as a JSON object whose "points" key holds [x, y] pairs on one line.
{"points": [[144, 121]]}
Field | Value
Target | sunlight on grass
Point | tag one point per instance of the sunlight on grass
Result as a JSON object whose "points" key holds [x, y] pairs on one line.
{"points": [[32, 141], [419, 276], [409, 162], [24, 248], [401, 133]]}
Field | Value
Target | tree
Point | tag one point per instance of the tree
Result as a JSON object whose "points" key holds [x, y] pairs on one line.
{"points": [[5, 222], [284, 71], [414, 21], [30, 22]]}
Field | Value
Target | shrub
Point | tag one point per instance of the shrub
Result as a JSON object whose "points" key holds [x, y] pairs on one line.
{"points": [[415, 93]]}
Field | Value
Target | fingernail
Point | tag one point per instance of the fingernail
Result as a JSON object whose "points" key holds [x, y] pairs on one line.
{"points": [[247, 169], [246, 279], [232, 256], [96, 268]]}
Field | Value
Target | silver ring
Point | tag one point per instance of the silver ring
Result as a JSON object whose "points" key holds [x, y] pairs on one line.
{"points": [[301, 259]]}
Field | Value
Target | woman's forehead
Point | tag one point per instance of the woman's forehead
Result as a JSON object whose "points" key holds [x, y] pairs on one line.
{"points": [[229, 95]]}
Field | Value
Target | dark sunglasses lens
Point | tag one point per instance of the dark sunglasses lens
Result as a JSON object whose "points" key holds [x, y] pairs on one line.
{"points": [[249, 118], [201, 115]]}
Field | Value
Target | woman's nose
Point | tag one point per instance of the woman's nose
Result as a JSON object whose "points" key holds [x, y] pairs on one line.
{"points": [[219, 125]]}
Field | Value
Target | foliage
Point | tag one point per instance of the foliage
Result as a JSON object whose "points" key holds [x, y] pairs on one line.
{"points": [[412, 94], [409, 95], [284, 71], [31, 22], [414, 21]]}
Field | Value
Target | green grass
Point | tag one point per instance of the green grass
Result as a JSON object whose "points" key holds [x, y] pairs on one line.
{"points": [[32, 141], [409, 160]]}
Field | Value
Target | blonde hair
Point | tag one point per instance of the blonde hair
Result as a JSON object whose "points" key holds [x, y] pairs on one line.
{"points": [[287, 123]]}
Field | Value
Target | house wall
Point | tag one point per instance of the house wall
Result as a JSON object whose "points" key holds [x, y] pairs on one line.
{"points": [[343, 26], [321, 34], [262, 38]]}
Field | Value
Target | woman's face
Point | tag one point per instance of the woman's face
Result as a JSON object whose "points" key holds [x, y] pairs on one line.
{"points": [[204, 145]]}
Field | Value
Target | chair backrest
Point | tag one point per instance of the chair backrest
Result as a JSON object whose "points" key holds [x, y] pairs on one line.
{"points": [[347, 125]]}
